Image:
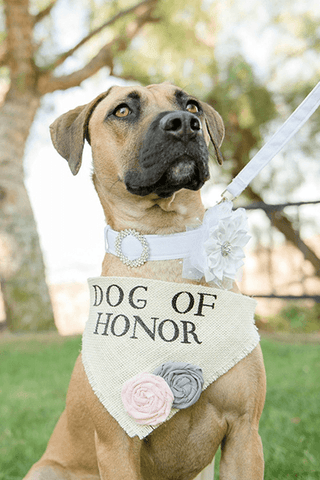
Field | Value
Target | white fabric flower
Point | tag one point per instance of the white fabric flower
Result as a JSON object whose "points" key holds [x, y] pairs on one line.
{"points": [[218, 251], [224, 247]]}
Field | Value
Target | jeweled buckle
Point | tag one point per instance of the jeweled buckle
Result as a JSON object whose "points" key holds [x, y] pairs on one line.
{"points": [[145, 248]]}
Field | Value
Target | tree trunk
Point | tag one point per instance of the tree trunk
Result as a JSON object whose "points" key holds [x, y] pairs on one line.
{"points": [[22, 272]]}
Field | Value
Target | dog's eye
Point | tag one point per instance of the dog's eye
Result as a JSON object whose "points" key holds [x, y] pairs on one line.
{"points": [[122, 111], [192, 107]]}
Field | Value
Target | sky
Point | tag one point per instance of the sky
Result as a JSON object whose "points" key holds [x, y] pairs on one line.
{"points": [[67, 210]]}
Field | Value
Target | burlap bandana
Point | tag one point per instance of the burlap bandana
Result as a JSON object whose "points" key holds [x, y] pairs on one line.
{"points": [[135, 325]]}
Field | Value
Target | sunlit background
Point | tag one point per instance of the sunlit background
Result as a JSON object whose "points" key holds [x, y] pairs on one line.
{"points": [[268, 46], [69, 216], [254, 61]]}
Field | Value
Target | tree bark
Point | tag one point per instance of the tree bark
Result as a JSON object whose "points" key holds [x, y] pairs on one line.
{"points": [[22, 272]]}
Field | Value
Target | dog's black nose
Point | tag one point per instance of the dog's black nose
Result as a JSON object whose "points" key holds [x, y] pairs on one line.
{"points": [[182, 125]]}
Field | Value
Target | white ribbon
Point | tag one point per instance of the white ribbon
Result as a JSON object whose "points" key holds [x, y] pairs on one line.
{"points": [[276, 143], [160, 247]]}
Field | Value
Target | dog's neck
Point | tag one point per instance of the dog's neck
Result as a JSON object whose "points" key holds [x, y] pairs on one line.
{"points": [[151, 214], [148, 215]]}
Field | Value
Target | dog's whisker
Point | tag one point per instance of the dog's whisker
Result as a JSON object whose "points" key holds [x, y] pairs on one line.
{"points": [[115, 183]]}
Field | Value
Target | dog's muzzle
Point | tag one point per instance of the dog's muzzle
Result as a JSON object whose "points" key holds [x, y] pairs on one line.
{"points": [[173, 155]]}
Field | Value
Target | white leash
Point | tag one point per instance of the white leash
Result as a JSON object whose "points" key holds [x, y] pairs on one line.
{"points": [[275, 144]]}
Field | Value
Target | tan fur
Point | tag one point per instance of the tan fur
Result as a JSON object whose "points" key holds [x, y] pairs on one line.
{"points": [[87, 442]]}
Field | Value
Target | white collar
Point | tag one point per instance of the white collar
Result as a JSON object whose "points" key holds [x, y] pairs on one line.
{"points": [[134, 248], [213, 251]]}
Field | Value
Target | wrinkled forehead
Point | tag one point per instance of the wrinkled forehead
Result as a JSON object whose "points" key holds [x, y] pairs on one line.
{"points": [[163, 96]]}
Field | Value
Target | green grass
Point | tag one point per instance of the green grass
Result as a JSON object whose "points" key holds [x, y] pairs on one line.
{"points": [[34, 377], [290, 424], [35, 372]]}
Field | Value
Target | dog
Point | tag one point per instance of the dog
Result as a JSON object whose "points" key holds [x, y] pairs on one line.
{"points": [[150, 160]]}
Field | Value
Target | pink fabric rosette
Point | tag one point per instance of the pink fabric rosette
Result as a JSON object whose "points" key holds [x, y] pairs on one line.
{"points": [[147, 398]]}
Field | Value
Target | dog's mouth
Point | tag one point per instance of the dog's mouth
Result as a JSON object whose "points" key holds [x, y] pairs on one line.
{"points": [[184, 172], [172, 156]]}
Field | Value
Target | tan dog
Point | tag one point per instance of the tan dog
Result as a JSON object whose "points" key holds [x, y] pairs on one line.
{"points": [[149, 148]]}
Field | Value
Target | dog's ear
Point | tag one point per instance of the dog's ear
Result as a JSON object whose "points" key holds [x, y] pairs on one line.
{"points": [[215, 128], [69, 131]]}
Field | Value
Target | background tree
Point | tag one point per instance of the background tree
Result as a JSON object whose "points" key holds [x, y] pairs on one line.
{"points": [[253, 109], [199, 46], [23, 285], [33, 65], [251, 106]]}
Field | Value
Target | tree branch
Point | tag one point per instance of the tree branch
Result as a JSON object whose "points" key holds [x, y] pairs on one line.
{"points": [[43, 13], [110, 22], [283, 224], [129, 78], [104, 58]]}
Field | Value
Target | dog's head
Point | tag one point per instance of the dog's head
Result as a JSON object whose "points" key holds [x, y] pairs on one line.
{"points": [[152, 139]]}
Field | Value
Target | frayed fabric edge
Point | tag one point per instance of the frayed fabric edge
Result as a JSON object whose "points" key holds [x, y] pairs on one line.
{"points": [[149, 429]]}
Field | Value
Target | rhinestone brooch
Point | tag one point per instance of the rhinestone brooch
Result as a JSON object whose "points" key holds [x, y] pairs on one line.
{"points": [[145, 248], [226, 249]]}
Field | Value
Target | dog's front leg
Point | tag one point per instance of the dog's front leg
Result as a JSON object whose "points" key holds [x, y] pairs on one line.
{"points": [[241, 453], [117, 455], [119, 458]]}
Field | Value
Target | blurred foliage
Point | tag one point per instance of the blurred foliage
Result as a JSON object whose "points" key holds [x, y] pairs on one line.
{"points": [[245, 105], [296, 67], [293, 318], [174, 48], [185, 48], [201, 46]]}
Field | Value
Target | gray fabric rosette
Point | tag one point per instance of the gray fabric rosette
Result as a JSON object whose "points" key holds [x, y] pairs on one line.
{"points": [[185, 381]]}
